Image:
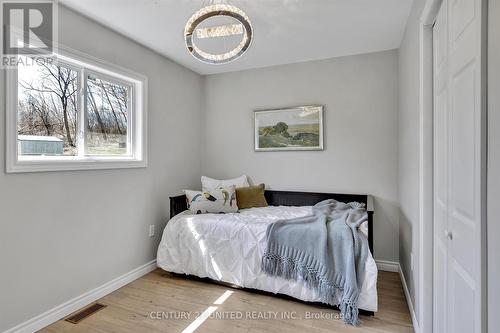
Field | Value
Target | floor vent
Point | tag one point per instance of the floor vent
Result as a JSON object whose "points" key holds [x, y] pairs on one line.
{"points": [[82, 314]]}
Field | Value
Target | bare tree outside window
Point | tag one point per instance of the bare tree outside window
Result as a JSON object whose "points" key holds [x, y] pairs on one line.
{"points": [[48, 108], [47, 105], [107, 117]]}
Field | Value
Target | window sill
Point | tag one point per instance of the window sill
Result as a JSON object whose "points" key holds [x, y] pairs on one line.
{"points": [[74, 164]]}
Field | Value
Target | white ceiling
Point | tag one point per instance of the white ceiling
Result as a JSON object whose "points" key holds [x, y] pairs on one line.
{"points": [[285, 31]]}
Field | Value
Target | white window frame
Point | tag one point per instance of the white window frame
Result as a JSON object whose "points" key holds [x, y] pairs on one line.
{"points": [[136, 135]]}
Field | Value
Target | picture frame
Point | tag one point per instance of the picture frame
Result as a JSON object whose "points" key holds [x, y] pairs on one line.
{"points": [[289, 129]]}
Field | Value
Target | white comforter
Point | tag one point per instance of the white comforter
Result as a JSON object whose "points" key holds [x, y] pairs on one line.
{"points": [[228, 247]]}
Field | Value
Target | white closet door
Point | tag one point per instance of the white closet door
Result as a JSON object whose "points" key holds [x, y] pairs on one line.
{"points": [[458, 167]]}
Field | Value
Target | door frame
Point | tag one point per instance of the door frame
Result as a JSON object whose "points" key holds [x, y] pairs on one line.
{"points": [[426, 160], [426, 176]]}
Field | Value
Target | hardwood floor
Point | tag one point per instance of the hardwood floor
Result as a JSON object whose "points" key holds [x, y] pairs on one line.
{"points": [[160, 302]]}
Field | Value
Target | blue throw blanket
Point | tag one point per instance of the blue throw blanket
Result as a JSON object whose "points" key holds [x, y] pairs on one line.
{"points": [[326, 250]]}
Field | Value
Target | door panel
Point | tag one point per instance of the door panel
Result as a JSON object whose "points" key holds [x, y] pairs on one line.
{"points": [[462, 194], [458, 162], [462, 14], [464, 167], [462, 299]]}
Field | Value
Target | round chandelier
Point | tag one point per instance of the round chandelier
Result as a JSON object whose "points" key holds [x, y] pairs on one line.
{"points": [[242, 27]]}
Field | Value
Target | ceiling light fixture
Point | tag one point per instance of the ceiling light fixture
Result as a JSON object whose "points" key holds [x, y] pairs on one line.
{"points": [[220, 31], [243, 27]]}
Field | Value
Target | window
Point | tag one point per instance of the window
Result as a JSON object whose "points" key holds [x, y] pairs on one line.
{"points": [[74, 113]]}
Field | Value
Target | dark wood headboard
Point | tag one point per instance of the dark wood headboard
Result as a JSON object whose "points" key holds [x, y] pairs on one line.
{"points": [[289, 198]]}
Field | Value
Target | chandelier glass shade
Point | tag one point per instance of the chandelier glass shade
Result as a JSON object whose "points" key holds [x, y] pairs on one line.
{"points": [[243, 27]]}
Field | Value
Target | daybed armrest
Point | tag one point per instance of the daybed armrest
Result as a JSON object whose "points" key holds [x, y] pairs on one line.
{"points": [[178, 204], [369, 204], [370, 210]]}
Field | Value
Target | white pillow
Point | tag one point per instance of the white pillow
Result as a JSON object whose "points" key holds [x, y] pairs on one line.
{"points": [[208, 184], [220, 200]]}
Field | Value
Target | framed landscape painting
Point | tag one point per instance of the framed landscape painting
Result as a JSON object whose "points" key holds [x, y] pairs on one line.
{"points": [[296, 128]]}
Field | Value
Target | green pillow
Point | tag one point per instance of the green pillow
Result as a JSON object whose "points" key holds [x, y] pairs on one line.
{"points": [[252, 196]]}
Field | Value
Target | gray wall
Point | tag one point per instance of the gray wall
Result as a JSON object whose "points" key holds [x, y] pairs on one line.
{"points": [[360, 96], [65, 233], [409, 147], [493, 167]]}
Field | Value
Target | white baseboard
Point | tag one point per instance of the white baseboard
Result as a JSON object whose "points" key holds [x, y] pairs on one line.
{"points": [[61, 311], [387, 266], [416, 327]]}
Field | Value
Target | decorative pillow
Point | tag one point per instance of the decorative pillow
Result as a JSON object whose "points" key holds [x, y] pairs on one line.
{"points": [[221, 200], [208, 184], [252, 196]]}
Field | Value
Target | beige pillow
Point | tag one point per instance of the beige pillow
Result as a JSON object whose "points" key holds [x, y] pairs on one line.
{"points": [[252, 196]]}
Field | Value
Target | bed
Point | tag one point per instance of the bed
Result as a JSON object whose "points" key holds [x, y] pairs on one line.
{"points": [[227, 248]]}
